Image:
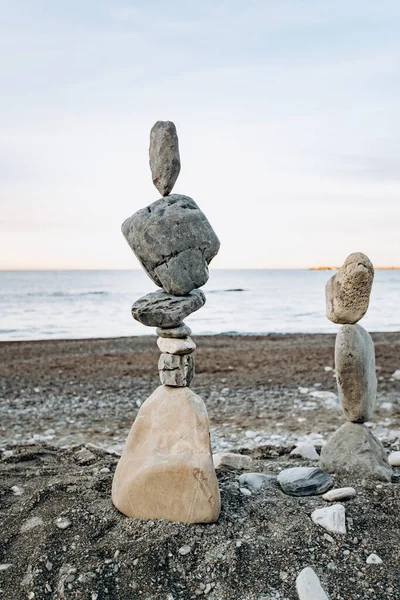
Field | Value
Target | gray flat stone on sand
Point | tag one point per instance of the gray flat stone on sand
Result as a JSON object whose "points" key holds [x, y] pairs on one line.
{"points": [[353, 450], [355, 371], [174, 242], [309, 587], [159, 309], [165, 163], [304, 481], [348, 291], [179, 332], [176, 370]]}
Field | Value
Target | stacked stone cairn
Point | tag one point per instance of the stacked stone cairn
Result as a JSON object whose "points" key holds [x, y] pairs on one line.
{"points": [[353, 449], [166, 469]]}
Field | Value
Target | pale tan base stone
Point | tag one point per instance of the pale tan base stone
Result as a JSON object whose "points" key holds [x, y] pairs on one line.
{"points": [[166, 469]]}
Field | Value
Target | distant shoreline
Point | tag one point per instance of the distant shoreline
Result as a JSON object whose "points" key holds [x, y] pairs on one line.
{"points": [[324, 268]]}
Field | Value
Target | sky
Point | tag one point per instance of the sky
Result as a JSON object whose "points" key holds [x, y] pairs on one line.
{"points": [[287, 113]]}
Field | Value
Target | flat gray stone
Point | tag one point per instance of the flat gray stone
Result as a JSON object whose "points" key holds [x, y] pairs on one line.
{"points": [[176, 346], [354, 451], [355, 372], [174, 242], [231, 460], [165, 163], [179, 332], [176, 370], [159, 309], [348, 291], [304, 481]]}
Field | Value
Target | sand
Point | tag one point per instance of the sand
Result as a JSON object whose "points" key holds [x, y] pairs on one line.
{"points": [[56, 396]]}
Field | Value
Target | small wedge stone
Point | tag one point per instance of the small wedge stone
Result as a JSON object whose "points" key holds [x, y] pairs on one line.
{"points": [[304, 481], [176, 346], [181, 331]]}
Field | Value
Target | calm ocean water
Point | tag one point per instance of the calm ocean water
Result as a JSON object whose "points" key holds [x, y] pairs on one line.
{"points": [[84, 304]]}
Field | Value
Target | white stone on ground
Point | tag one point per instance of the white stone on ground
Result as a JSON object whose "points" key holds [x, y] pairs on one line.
{"points": [[230, 460], [396, 374], [256, 480], [303, 390], [374, 559], [16, 490], [331, 518], [30, 524], [245, 491], [5, 566], [63, 523], [305, 450], [183, 550], [339, 494], [394, 459], [309, 587]]}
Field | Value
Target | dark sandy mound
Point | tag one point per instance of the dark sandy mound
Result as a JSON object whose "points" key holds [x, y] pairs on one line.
{"points": [[255, 551]]}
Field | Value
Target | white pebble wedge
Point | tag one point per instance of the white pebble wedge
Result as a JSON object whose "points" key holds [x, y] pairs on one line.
{"points": [[230, 460], [309, 587], [396, 374], [176, 345], [305, 450], [331, 518], [339, 494], [373, 559], [394, 459]]}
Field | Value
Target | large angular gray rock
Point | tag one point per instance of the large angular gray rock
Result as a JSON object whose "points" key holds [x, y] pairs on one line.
{"points": [[159, 309], [304, 481], [165, 163], [355, 372], [174, 242], [347, 292], [353, 450], [176, 370]]}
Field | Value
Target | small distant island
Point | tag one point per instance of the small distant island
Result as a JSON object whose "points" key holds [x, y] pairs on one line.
{"points": [[325, 268]]}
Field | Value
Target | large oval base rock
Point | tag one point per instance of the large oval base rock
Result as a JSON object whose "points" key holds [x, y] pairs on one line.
{"points": [[353, 450], [166, 469]]}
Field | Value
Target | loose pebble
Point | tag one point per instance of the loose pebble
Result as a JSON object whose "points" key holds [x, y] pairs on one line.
{"points": [[30, 524], [184, 550], [331, 518], [373, 559], [230, 460], [339, 494], [16, 490], [309, 587], [63, 523], [245, 491], [394, 459], [5, 566], [304, 481]]}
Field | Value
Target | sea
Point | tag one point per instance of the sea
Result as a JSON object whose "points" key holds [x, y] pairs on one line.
{"points": [[37, 305]]}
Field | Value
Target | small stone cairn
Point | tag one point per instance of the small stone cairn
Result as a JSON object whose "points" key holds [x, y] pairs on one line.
{"points": [[166, 468], [353, 449]]}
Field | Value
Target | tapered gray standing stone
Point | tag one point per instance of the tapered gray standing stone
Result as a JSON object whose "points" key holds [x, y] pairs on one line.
{"points": [[353, 450], [347, 292], [165, 163], [159, 309], [174, 242], [355, 372]]}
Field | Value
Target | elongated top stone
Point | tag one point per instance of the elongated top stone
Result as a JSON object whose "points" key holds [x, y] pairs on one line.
{"points": [[355, 372], [165, 163], [174, 242], [347, 292]]}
